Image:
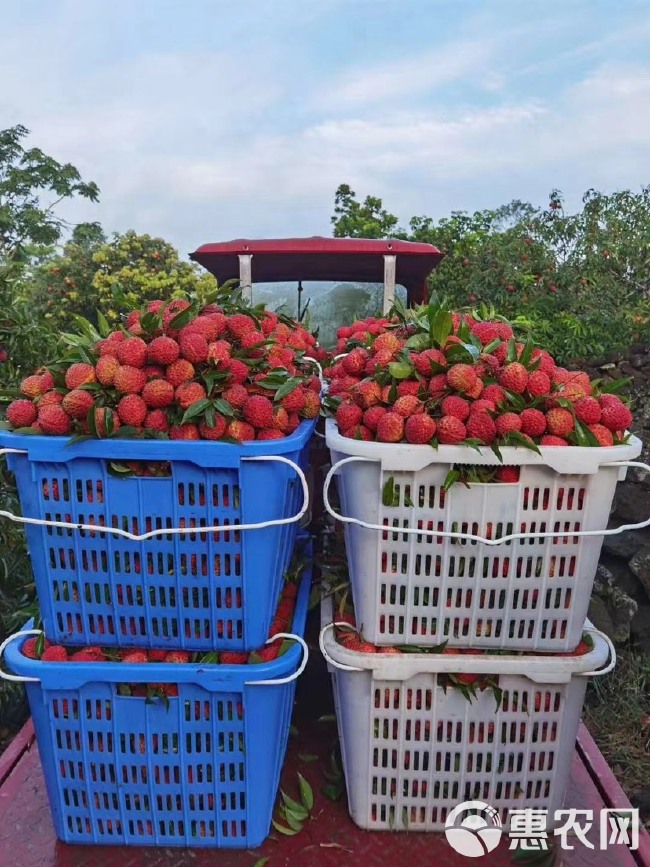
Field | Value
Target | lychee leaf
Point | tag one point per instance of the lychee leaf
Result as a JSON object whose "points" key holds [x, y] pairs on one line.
{"points": [[511, 354], [492, 345], [584, 436], [299, 811], [104, 327], [196, 409], [225, 408], [615, 385], [288, 832], [388, 492], [181, 319], [289, 386], [441, 324], [497, 452], [150, 322], [306, 793], [400, 369], [458, 353], [417, 342], [515, 438]]}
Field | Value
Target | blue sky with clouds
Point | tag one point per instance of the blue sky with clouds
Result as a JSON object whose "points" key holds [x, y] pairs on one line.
{"points": [[209, 119]]}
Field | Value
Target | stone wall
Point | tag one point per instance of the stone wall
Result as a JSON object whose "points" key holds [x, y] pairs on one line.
{"points": [[620, 603]]}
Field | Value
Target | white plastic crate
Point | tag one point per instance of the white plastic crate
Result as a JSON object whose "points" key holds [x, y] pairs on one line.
{"points": [[412, 751], [454, 583]]}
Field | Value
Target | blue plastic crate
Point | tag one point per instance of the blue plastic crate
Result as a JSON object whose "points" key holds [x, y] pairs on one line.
{"points": [[202, 771], [198, 591]]}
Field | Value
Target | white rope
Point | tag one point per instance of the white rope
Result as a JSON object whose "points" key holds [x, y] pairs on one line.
{"points": [[469, 537], [221, 528]]}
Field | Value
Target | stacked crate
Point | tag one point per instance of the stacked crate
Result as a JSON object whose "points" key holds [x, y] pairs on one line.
{"points": [[425, 570], [190, 559]]}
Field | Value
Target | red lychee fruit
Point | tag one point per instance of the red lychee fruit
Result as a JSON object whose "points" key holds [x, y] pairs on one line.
{"points": [[240, 430], [163, 350], [368, 392], [438, 385], [129, 380], [238, 324], [32, 386], [55, 653], [236, 395], [156, 419], [158, 393], [514, 377], [587, 410], [54, 420], [312, 404], [494, 393], [357, 432], [132, 351], [507, 423], [270, 434], [552, 440], [419, 429], [602, 434], [79, 374], [533, 422], [481, 427], [462, 377], [179, 372], [188, 393], [408, 386], [451, 430], [539, 383], [355, 362], [372, 415], [387, 342], [172, 310], [237, 370], [213, 431], [485, 331], [348, 415], [258, 411], [193, 346], [455, 406], [132, 410], [407, 405], [219, 352], [390, 428], [184, 432], [295, 400], [106, 421], [507, 474], [50, 398], [21, 413], [77, 403], [559, 422], [106, 368], [616, 416]]}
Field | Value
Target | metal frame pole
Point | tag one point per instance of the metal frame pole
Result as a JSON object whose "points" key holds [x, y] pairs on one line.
{"points": [[390, 268], [245, 276]]}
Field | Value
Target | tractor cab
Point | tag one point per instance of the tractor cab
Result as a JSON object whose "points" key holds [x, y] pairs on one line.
{"points": [[334, 260]]}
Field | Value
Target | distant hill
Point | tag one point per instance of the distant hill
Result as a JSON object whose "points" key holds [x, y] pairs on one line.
{"points": [[330, 304]]}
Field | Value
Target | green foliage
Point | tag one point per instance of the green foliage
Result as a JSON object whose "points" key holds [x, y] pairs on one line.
{"points": [[578, 281], [113, 276]]}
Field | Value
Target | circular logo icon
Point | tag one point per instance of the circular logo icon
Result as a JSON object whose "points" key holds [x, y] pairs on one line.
{"points": [[476, 834]]}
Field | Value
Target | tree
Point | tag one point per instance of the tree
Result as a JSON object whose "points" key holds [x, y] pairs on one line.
{"points": [[26, 176], [580, 282], [368, 220], [94, 274], [32, 184]]}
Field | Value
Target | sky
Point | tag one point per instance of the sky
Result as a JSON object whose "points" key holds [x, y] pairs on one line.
{"points": [[207, 120]]}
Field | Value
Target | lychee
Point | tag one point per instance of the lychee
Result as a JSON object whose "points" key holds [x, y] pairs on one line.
{"points": [[158, 393], [514, 377], [21, 413], [240, 430], [180, 371], [455, 406], [132, 351], [258, 411], [163, 350], [559, 422], [132, 410], [419, 429], [105, 369], [79, 374], [481, 427], [129, 380], [213, 431], [451, 430], [533, 422], [77, 403], [462, 377], [390, 428], [54, 420]]}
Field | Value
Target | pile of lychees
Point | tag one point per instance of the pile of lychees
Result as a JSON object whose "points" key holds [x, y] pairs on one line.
{"points": [[432, 376], [182, 371]]}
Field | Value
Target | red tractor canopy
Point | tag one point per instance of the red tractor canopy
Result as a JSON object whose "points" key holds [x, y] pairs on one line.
{"points": [[361, 260]]}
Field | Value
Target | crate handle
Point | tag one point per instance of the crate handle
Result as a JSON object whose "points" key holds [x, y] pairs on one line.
{"points": [[13, 452], [328, 658], [18, 678], [223, 528], [320, 369], [448, 534], [612, 655], [303, 664], [305, 657]]}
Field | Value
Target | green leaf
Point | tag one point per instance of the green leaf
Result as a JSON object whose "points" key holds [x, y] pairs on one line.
{"points": [[196, 409], [400, 369], [181, 319], [306, 793], [615, 385], [451, 478], [261, 862], [150, 322], [104, 327], [288, 832], [417, 342], [515, 438], [388, 492], [222, 405], [492, 345], [297, 809], [333, 791], [441, 324], [289, 386], [308, 758]]}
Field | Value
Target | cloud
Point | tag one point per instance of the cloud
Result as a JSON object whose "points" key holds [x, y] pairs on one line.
{"points": [[205, 141]]}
